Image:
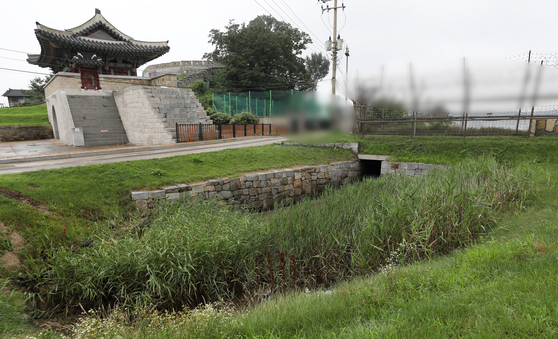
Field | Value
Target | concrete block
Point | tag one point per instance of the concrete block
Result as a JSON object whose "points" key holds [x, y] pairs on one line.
{"points": [[171, 189], [140, 196], [199, 188], [251, 177], [157, 194], [173, 196], [412, 166], [184, 187]]}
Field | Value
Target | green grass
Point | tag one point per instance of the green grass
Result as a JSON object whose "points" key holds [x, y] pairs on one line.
{"points": [[503, 286], [199, 252], [103, 191], [76, 197], [17, 116], [451, 150], [11, 312], [473, 293]]}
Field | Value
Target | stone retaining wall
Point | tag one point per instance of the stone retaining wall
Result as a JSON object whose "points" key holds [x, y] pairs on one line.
{"points": [[260, 190], [21, 133], [410, 169]]}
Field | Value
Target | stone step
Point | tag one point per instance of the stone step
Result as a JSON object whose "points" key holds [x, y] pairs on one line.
{"points": [[94, 114]]}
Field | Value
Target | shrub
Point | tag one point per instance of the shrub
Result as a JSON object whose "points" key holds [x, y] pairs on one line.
{"points": [[199, 87], [220, 118], [244, 118]]}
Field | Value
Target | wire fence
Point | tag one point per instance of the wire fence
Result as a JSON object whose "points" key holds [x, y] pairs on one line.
{"points": [[260, 104], [389, 121]]}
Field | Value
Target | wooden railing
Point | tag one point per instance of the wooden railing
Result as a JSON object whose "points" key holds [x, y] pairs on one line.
{"points": [[196, 132]]}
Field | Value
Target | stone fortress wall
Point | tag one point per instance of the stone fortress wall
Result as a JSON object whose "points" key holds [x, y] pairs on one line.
{"points": [[180, 67], [149, 108], [149, 114], [66, 80]]}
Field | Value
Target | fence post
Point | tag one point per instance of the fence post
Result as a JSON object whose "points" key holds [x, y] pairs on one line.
{"points": [[263, 132], [244, 129], [200, 132], [220, 133], [177, 133], [234, 130], [269, 129], [255, 129]]}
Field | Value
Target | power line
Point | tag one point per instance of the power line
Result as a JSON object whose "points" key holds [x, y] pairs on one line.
{"points": [[309, 46], [318, 39], [296, 23], [11, 50], [22, 71]]}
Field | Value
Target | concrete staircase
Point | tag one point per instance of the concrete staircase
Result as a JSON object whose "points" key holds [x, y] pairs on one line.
{"points": [[99, 119]]}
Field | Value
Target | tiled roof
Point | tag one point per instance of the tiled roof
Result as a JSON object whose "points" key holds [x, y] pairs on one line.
{"points": [[101, 45], [15, 93], [96, 36]]}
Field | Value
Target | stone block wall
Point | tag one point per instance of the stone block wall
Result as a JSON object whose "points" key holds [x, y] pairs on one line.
{"points": [[180, 67], [21, 133], [66, 80], [149, 114], [259, 190], [62, 80], [407, 168]]}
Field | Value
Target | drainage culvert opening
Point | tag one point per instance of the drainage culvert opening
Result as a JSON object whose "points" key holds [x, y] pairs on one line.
{"points": [[371, 168]]}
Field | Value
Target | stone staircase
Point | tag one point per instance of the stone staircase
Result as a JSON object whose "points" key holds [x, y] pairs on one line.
{"points": [[99, 119]]}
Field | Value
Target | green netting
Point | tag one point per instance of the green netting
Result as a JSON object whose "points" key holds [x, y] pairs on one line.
{"points": [[260, 104]]}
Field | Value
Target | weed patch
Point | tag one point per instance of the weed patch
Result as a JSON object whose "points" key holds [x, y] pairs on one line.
{"points": [[201, 252]]}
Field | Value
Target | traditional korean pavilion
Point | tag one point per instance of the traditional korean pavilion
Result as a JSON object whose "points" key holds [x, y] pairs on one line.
{"points": [[93, 48]]}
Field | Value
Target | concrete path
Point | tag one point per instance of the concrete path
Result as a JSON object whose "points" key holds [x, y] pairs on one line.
{"points": [[28, 156]]}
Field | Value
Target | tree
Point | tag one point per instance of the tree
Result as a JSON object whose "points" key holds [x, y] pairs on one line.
{"points": [[261, 55], [37, 88], [318, 67]]}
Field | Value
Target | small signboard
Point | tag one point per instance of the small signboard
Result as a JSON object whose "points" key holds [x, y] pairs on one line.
{"points": [[488, 113], [104, 130]]}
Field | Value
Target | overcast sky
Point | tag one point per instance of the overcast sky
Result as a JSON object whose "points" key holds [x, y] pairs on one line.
{"points": [[394, 32]]}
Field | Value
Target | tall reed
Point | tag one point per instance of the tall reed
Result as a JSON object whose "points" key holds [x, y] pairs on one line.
{"points": [[200, 252]]}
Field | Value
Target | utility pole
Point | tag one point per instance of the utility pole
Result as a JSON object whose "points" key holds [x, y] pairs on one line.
{"points": [[334, 71], [335, 47]]}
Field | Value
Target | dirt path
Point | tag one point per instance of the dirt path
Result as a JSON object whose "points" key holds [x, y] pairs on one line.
{"points": [[10, 259]]}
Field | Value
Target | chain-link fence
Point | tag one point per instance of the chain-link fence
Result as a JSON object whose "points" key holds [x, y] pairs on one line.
{"points": [[260, 104]]}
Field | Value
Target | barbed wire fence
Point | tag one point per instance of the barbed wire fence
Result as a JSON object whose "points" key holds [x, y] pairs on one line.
{"points": [[465, 112]]}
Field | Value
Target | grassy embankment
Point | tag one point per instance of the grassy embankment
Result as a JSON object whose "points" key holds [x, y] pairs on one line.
{"points": [[342, 312], [17, 116], [73, 200], [201, 252]]}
